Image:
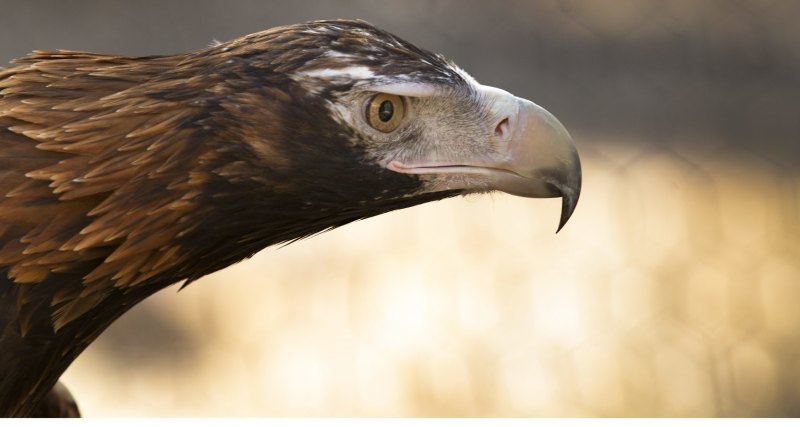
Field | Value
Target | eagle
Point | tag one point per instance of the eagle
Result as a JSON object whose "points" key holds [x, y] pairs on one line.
{"points": [[120, 176]]}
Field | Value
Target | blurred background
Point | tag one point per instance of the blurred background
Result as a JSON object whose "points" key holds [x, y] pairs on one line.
{"points": [[673, 291]]}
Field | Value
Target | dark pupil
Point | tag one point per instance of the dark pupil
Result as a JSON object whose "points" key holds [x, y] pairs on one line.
{"points": [[386, 111]]}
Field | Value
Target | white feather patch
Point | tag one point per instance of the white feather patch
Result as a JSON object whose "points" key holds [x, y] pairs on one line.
{"points": [[357, 72], [337, 54]]}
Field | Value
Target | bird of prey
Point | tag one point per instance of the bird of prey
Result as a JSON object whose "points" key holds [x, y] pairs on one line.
{"points": [[120, 175]]}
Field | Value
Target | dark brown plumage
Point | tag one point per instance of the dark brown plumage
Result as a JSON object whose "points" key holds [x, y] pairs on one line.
{"points": [[122, 175], [57, 403]]}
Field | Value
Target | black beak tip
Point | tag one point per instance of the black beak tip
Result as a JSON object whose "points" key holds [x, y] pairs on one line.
{"points": [[570, 189], [568, 202]]}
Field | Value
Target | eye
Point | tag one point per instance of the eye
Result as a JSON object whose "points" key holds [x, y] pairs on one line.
{"points": [[385, 112]]}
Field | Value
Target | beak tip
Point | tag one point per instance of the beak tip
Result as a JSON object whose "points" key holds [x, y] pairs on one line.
{"points": [[568, 203]]}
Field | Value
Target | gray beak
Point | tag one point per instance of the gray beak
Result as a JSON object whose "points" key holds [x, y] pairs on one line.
{"points": [[534, 156], [543, 160]]}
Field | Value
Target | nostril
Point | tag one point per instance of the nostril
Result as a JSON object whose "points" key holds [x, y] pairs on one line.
{"points": [[502, 128]]}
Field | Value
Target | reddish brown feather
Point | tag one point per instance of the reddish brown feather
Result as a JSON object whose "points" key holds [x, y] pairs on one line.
{"points": [[82, 202], [121, 175]]}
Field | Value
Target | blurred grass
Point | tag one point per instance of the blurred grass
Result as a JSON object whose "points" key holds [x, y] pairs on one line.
{"points": [[672, 292]]}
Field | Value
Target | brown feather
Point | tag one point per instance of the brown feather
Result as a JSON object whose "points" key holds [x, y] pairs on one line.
{"points": [[122, 175]]}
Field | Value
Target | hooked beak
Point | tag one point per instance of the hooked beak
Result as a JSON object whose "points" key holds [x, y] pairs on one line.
{"points": [[535, 156], [542, 161]]}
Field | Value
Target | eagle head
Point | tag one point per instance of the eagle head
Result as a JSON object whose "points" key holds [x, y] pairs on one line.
{"points": [[357, 121]]}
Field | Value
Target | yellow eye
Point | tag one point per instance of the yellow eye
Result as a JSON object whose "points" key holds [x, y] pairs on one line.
{"points": [[385, 112]]}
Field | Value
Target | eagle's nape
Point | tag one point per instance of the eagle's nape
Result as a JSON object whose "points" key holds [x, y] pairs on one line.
{"points": [[122, 175]]}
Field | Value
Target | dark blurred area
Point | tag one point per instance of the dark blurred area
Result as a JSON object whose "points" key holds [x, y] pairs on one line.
{"points": [[687, 114]]}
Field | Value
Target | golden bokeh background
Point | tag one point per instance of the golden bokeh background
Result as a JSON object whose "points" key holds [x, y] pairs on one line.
{"points": [[658, 299], [673, 291]]}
